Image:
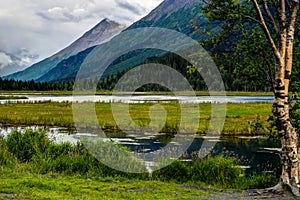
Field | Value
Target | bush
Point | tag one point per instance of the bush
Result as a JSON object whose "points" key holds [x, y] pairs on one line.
{"points": [[6, 158], [43, 156], [25, 146], [219, 171], [64, 158], [256, 181], [177, 171]]}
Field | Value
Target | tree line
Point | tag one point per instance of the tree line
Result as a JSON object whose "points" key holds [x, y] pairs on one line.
{"points": [[234, 79], [37, 86]]}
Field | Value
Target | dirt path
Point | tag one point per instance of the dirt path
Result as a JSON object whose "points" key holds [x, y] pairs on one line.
{"points": [[221, 195], [250, 195]]}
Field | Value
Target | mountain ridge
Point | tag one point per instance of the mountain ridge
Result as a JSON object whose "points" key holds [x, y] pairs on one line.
{"points": [[99, 34], [170, 14], [172, 17], [168, 7]]}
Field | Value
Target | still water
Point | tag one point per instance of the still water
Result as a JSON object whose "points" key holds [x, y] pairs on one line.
{"points": [[144, 98], [255, 154]]}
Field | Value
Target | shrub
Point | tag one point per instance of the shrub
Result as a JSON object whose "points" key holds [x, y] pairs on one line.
{"points": [[256, 181], [25, 146], [177, 171], [64, 158], [6, 158], [219, 171]]}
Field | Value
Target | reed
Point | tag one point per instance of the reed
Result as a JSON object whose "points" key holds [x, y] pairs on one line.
{"points": [[32, 152], [238, 120]]}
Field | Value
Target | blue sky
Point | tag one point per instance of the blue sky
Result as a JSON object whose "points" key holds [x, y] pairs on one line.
{"points": [[36, 29]]}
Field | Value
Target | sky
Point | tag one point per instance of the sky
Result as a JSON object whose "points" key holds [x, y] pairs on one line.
{"points": [[31, 30]]}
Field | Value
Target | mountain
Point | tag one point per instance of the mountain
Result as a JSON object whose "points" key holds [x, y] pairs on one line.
{"points": [[99, 34], [172, 14], [179, 15], [168, 7], [66, 69], [165, 11], [12, 62]]}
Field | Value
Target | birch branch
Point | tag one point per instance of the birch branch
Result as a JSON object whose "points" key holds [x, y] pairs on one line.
{"points": [[266, 30]]}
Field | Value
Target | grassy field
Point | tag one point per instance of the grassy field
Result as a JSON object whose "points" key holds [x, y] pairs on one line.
{"points": [[240, 118], [30, 186]]}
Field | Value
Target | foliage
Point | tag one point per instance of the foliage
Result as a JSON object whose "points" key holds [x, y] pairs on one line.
{"points": [[256, 126], [43, 156], [65, 159], [255, 181], [6, 157], [25, 146], [294, 117], [240, 49], [177, 171], [218, 171]]}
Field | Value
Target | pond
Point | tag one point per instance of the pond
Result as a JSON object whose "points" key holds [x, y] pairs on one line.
{"points": [[255, 154], [144, 98]]}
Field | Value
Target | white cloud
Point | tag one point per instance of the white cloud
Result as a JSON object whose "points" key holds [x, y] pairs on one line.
{"points": [[133, 7], [11, 63], [5, 60], [45, 27]]}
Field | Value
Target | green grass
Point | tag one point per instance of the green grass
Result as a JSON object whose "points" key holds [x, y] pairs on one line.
{"points": [[237, 119], [33, 167], [25, 185]]}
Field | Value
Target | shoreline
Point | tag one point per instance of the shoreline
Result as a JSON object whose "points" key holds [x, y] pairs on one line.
{"points": [[108, 93]]}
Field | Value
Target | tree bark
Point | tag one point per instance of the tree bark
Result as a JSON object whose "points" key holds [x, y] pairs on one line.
{"points": [[289, 140]]}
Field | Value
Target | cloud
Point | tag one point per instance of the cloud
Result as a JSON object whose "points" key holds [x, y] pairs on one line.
{"points": [[10, 63], [133, 7], [64, 14], [5, 60]]}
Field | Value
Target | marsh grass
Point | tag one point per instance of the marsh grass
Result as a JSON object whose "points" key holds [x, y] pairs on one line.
{"points": [[218, 172], [12, 97], [32, 152], [48, 113]]}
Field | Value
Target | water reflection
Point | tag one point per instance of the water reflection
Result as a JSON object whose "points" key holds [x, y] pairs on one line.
{"points": [[143, 99]]}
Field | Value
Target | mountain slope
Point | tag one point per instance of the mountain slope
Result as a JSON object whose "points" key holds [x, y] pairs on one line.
{"points": [[164, 11], [99, 34], [66, 69], [171, 14], [166, 8]]}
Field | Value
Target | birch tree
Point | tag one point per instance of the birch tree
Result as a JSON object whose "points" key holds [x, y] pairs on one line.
{"points": [[278, 19]]}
